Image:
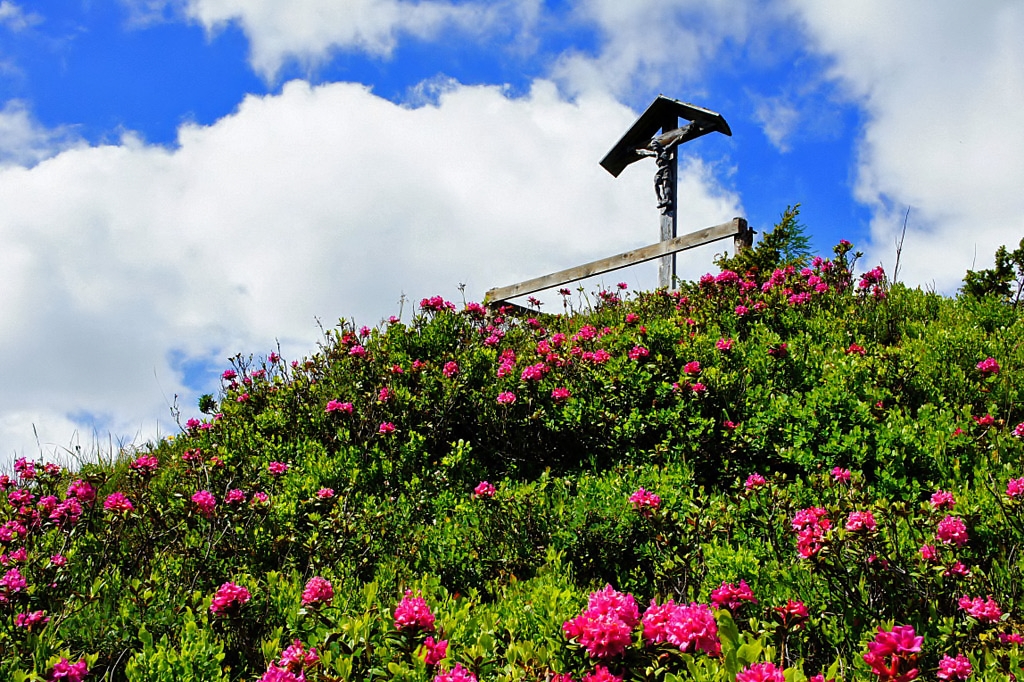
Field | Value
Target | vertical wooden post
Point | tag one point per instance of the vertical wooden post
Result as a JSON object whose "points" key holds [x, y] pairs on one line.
{"points": [[669, 224], [744, 238]]}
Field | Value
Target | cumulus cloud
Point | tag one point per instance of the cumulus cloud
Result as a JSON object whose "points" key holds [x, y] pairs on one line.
{"points": [[941, 87], [778, 118], [650, 44], [15, 18], [310, 31], [23, 141], [124, 263]]}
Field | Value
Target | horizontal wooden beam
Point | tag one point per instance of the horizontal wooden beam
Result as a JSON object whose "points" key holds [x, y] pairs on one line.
{"points": [[734, 227]]}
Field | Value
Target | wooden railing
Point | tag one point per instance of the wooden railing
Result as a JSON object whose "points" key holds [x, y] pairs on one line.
{"points": [[736, 228]]}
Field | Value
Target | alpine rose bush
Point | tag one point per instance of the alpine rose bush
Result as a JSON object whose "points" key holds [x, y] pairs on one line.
{"points": [[229, 597], [412, 613]]}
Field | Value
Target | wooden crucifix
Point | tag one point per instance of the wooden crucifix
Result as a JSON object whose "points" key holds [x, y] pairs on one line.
{"points": [[643, 139]]}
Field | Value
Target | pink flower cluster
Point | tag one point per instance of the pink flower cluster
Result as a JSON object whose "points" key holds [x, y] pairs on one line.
{"points": [[731, 597], [754, 481], [1015, 488], [958, 668], [942, 500], [952, 529], [689, 628], [860, 521], [638, 353], [605, 628], [338, 406], [484, 490], [436, 304], [793, 615], [560, 394], [841, 475], [229, 597], [893, 653], [644, 501], [985, 610], [450, 369], [456, 674], [292, 665], [988, 367], [810, 525], [434, 652], [506, 398], [318, 591], [412, 613], [205, 503], [118, 503], [12, 583], [761, 672], [66, 671], [144, 464], [277, 468]]}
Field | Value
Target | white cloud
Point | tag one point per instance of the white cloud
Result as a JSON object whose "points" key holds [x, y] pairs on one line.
{"points": [[319, 202], [23, 141], [942, 87], [15, 18], [310, 31], [650, 44], [778, 118]]}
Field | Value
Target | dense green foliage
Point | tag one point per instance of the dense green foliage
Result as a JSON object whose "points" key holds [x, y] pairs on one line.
{"points": [[386, 433]]}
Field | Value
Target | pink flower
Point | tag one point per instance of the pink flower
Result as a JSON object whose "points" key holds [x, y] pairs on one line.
{"points": [[85, 492], [144, 464], [958, 668], [338, 406], [318, 591], [1011, 638], [58, 560], [66, 671], [644, 501], [1015, 488], [451, 368], [386, 428], [855, 349], [985, 610], [31, 619], [506, 398], [605, 628], [11, 583], [761, 672], [325, 493], [277, 468], [484, 490], [793, 615], [434, 652], [952, 529], [229, 597], [229, 375], [724, 345], [942, 500], [988, 367], [778, 350], [601, 674], [1018, 430], [205, 503], [295, 658], [698, 388], [741, 310], [638, 353], [987, 420], [691, 368], [235, 496], [357, 351], [412, 613], [259, 499], [957, 569], [534, 372], [118, 503], [731, 597], [754, 481], [560, 394], [456, 674], [929, 553], [860, 520], [841, 475], [893, 652]]}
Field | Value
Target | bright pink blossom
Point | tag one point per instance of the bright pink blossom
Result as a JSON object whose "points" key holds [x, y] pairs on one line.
{"points": [[297, 658], [66, 671], [412, 613], [1018, 430], [692, 367], [83, 490], [144, 464], [118, 503], [754, 481], [31, 619], [638, 353], [985, 610], [229, 597], [205, 503], [456, 674], [338, 406], [958, 668], [793, 615], [929, 553], [325, 493], [761, 672], [860, 520], [988, 367], [386, 428], [317, 591], [560, 394], [841, 475], [235, 496], [952, 529], [601, 674], [893, 653], [506, 398], [434, 652], [731, 597], [942, 500], [1015, 488], [451, 368], [644, 501], [277, 468], [484, 490], [724, 345]]}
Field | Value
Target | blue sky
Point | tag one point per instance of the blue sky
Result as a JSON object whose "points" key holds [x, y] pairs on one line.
{"points": [[184, 180]]}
